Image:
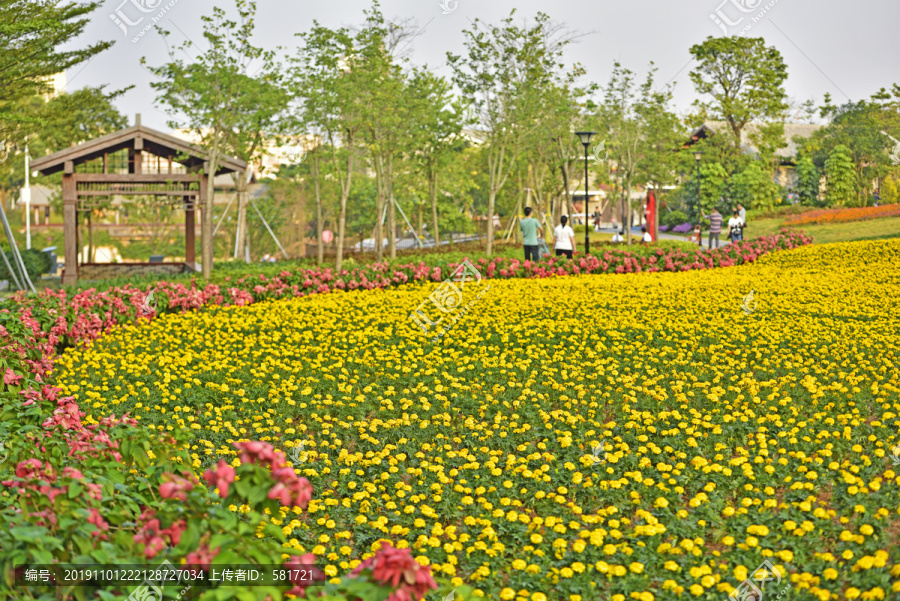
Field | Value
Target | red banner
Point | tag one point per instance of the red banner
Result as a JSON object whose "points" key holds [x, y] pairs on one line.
{"points": [[651, 215]]}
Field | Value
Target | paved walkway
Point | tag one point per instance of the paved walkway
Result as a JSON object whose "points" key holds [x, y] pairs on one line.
{"points": [[636, 233]]}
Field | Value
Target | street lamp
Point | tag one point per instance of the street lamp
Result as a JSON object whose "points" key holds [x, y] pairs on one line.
{"points": [[697, 156], [585, 137]]}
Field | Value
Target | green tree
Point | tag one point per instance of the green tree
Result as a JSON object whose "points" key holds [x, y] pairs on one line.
{"points": [[890, 190], [325, 78], [745, 80], [663, 132], [841, 189], [385, 118], [713, 179], [35, 45], [435, 128], [808, 178], [754, 188], [502, 77], [212, 95], [861, 127]]}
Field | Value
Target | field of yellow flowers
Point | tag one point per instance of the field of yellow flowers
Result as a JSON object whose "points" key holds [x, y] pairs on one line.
{"points": [[642, 436]]}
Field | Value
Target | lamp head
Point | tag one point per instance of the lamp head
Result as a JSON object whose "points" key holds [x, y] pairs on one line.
{"points": [[698, 155], [585, 136]]}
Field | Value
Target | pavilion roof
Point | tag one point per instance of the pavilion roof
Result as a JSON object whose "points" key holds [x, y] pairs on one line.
{"points": [[152, 141]]}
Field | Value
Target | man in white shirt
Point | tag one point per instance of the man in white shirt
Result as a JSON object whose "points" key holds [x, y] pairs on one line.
{"points": [[647, 237], [617, 238], [736, 227], [564, 238]]}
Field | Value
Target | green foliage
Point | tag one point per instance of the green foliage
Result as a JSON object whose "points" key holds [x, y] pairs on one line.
{"points": [[840, 178], [890, 190], [33, 47], [218, 99], [713, 178], [745, 80], [501, 77], [808, 178], [673, 218], [754, 188], [36, 263]]}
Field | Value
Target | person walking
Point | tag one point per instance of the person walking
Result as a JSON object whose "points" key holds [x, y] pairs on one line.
{"points": [[742, 213], [715, 226], [530, 232], [736, 227], [564, 238]]}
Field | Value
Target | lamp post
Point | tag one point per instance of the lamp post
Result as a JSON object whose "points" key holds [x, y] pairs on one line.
{"points": [[697, 156], [585, 137]]}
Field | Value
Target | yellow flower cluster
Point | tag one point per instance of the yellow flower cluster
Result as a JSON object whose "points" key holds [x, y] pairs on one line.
{"points": [[590, 437]]}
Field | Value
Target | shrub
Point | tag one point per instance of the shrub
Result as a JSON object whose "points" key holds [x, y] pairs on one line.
{"points": [[37, 263], [673, 218]]}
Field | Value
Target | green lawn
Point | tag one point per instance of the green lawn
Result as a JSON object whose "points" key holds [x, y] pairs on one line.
{"points": [[832, 232]]}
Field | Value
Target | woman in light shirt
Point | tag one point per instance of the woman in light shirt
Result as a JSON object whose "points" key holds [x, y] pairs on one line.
{"points": [[564, 238]]}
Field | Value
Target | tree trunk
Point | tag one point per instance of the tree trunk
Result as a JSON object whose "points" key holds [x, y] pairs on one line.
{"points": [[420, 226], [489, 247], [379, 210], [208, 251], [240, 236], [432, 190], [342, 218], [320, 245], [630, 209], [391, 208]]}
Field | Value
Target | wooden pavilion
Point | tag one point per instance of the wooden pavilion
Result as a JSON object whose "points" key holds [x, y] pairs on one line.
{"points": [[135, 161]]}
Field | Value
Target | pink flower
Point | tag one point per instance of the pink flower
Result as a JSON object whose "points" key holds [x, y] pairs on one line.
{"points": [[10, 378], [202, 557], [221, 478]]}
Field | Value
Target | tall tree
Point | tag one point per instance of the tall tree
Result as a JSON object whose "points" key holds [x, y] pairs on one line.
{"points": [[385, 116], [754, 188], [840, 180], [436, 129], [664, 132], [808, 178], [745, 80], [641, 130], [502, 74], [33, 47], [325, 79], [208, 96]]}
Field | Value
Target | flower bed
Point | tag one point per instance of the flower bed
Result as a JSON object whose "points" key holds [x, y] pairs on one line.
{"points": [[662, 445], [821, 216], [116, 493]]}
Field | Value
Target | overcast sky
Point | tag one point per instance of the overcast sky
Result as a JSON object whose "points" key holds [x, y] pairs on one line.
{"points": [[847, 50]]}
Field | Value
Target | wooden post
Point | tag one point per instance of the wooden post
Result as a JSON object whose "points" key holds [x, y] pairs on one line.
{"points": [[70, 224], [190, 251], [205, 228], [138, 155]]}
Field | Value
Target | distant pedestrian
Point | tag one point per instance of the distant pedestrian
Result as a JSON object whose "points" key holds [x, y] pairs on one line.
{"points": [[530, 230], [715, 226], [736, 227], [564, 238], [742, 213]]}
